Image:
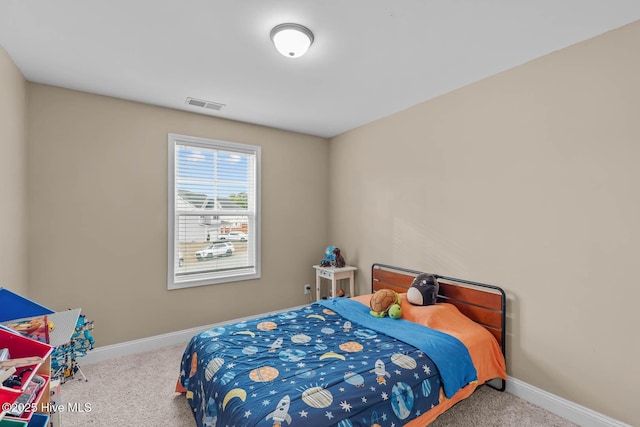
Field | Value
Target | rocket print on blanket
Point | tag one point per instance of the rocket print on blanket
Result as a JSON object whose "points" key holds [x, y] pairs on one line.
{"points": [[276, 345], [281, 412], [381, 372]]}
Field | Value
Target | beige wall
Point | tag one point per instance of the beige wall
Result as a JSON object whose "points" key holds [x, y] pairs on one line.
{"points": [[13, 177], [528, 180], [98, 203]]}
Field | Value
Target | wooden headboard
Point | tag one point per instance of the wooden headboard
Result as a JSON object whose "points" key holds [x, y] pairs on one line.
{"points": [[482, 303]]}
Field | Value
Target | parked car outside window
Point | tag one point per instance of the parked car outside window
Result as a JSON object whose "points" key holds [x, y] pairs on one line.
{"points": [[234, 235], [215, 250]]}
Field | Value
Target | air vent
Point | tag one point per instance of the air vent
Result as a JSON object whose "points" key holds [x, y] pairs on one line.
{"points": [[205, 104]]}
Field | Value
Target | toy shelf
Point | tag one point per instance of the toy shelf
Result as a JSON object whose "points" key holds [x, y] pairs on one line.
{"points": [[42, 402], [22, 347], [38, 420]]}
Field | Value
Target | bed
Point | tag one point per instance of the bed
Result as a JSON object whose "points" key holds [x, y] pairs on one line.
{"points": [[331, 363]]}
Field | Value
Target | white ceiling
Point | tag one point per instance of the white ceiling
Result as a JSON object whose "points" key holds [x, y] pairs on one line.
{"points": [[370, 58]]}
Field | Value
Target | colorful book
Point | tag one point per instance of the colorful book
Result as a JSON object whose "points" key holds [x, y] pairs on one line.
{"points": [[36, 327]]}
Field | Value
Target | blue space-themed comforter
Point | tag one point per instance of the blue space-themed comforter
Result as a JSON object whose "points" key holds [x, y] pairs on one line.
{"points": [[329, 363]]}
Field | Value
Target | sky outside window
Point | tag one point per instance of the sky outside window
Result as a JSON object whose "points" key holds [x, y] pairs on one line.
{"points": [[212, 172]]}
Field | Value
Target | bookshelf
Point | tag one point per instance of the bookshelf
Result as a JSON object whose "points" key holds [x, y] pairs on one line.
{"points": [[26, 358], [33, 358]]}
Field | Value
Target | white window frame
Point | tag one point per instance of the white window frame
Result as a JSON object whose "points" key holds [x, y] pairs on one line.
{"points": [[211, 278]]}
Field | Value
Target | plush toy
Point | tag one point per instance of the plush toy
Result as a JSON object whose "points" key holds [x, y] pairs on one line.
{"points": [[423, 290], [338, 259], [382, 302], [395, 312]]}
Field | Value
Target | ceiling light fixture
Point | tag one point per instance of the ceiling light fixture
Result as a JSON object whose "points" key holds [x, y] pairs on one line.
{"points": [[291, 40]]}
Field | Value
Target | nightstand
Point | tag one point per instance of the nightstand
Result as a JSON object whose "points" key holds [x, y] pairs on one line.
{"points": [[334, 274]]}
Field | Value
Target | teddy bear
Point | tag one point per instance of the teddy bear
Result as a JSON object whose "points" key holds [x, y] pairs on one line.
{"points": [[423, 290]]}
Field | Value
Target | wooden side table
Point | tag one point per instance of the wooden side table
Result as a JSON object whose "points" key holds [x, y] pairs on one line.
{"points": [[334, 274]]}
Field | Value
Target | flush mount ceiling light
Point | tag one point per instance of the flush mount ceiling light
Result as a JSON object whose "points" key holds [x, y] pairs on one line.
{"points": [[291, 40]]}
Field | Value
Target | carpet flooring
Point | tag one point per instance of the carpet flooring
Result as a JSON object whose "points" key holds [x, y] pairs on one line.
{"points": [[138, 390]]}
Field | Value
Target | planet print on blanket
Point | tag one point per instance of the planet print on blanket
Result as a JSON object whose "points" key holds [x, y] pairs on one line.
{"points": [[227, 377], [264, 374], [213, 347], [250, 350], [212, 367], [317, 397], [267, 326], [402, 400], [213, 333], [351, 346], [385, 346], [300, 338], [305, 373], [404, 361], [288, 315], [365, 334], [194, 364], [292, 355], [345, 423], [426, 388]]}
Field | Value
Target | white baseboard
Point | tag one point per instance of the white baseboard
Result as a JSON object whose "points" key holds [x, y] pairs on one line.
{"points": [[568, 410], [107, 352], [112, 351]]}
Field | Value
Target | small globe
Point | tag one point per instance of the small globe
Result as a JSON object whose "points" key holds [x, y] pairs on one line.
{"points": [[328, 253]]}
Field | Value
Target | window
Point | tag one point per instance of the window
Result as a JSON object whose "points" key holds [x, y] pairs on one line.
{"points": [[214, 212]]}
